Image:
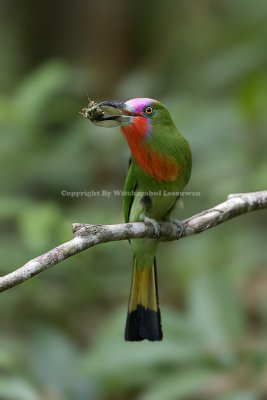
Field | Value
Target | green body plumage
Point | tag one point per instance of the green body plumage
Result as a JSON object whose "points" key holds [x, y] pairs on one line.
{"points": [[155, 198]]}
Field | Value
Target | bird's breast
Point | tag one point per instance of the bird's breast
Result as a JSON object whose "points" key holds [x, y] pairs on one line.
{"points": [[158, 165]]}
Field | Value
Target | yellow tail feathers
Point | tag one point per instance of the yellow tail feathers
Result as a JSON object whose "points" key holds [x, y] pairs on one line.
{"points": [[143, 290], [143, 321]]}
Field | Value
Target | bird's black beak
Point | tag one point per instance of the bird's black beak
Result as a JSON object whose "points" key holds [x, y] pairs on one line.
{"points": [[119, 105], [107, 113], [113, 111], [116, 110]]}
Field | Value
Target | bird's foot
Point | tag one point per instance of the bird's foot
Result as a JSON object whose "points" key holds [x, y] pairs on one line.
{"points": [[179, 225], [155, 224]]}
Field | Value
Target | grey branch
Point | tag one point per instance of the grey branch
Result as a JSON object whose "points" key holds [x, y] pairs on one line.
{"points": [[86, 236]]}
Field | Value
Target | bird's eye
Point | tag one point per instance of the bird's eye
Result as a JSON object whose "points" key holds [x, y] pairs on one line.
{"points": [[149, 110]]}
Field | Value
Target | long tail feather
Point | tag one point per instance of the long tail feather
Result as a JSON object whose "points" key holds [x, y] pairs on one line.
{"points": [[143, 319]]}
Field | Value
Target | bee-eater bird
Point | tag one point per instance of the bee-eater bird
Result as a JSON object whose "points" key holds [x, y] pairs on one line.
{"points": [[160, 168]]}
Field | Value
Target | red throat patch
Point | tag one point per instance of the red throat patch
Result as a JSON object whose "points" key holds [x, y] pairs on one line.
{"points": [[155, 164]]}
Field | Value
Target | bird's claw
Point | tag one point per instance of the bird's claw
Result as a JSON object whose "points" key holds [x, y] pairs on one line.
{"points": [[179, 225], [155, 225]]}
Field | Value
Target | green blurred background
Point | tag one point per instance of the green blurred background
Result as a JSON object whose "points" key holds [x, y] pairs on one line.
{"points": [[61, 335]]}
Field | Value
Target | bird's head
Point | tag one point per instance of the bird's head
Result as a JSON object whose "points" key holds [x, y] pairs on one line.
{"points": [[140, 113]]}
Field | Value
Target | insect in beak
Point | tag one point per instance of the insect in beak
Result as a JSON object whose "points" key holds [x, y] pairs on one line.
{"points": [[108, 114]]}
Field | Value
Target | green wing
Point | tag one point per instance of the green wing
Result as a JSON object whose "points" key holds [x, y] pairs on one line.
{"points": [[130, 186]]}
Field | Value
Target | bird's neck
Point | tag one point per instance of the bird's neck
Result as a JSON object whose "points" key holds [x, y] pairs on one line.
{"points": [[154, 163]]}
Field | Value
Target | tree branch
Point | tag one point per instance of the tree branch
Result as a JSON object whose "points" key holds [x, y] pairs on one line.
{"points": [[86, 236]]}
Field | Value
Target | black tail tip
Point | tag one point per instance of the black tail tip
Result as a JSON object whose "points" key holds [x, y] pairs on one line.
{"points": [[143, 323]]}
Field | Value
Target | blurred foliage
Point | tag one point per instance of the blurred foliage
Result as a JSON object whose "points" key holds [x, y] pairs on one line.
{"points": [[62, 331]]}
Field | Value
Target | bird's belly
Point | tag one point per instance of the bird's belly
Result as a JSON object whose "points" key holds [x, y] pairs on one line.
{"points": [[156, 201], [155, 205], [157, 208]]}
